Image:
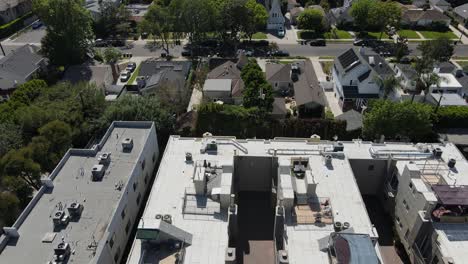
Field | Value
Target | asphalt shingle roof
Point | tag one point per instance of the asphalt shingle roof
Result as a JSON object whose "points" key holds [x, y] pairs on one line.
{"points": [[307, 89], [462, 10], [276, 72], [414, 15]]}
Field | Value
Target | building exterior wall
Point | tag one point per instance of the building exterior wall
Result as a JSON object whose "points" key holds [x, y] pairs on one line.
{"points": [[275, 19], [14, 12], [213, 95]]}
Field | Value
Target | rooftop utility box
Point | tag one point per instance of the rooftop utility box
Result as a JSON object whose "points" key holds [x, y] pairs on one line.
{"points": [[57, 218], [127, 144], [338, 146], [74, 210], [97, 172], [105, 158], [210, 147]]}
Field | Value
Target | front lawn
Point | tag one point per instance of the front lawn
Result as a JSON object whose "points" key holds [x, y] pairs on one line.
{"points": [[462, 64], [327, 66], [376, 35], [259, 35], [307, 34], [435, 34], [411, 34], [134, 75], [338, 34]]}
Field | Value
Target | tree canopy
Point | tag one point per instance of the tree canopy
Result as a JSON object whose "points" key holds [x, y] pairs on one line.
{"points": [[69, 31], [374, 14], [406, 120], [437, 50], [312, 19], [257, 92]]}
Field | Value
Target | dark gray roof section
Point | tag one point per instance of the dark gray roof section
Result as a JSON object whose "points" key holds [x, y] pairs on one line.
{"points": [[277, 72], [307, 88], [279, 107], [364, 76], [354, 249], [17, 67], [414, 15], [151, 67], [380, 66], [348, 58], [229, 70], [451, 195], [351, 92], [407, 71], [446, 67], [462, 11], [353, 119]]}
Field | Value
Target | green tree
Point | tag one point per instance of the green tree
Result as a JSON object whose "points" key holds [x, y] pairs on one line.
{"points": [[257, 18], [113, 20], [158, 22], [9, 207], [112, 56], [69, 31], [18, 163], [360, 12], [58, 133], [409, 120], [257, 92], [311, 19], [10, 137], [197, 17], [20, 188], [437, 50], [388, 84], [383, 15]]}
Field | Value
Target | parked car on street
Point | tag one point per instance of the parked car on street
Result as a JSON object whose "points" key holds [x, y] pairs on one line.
{"points": [[37, 24], [124, 76], [318, 42], [131, 66], [281, 33], [100, 43]]}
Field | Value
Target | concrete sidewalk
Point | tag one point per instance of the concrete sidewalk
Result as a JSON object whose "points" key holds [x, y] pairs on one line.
{"points": [[332, 101], [464, 39]]}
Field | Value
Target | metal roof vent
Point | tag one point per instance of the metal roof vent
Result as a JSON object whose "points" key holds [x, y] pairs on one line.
{"points": [[437, 152], [167, 218], [61, 252], [328, 160], [451, 163], [127, 144], [105, 158], [97, 172], [188, 157], [75, 209], [338, 146]]}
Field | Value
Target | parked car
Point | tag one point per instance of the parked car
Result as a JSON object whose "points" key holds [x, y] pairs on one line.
{"points": [[100, 43], [318, 42], [186, 53], [37, 24], [278, 53], [281, 33], [144, 35], [131, 66], [124, 76]]}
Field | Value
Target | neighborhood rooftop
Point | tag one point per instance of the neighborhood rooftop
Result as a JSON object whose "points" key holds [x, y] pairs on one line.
{"points": [[74, 182]]}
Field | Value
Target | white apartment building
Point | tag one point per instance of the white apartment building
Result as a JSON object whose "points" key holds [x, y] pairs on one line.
{"points": [[296, 200], [86, 209]]}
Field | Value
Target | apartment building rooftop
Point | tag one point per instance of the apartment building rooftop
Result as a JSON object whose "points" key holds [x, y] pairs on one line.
{"points": [[74, 210]]}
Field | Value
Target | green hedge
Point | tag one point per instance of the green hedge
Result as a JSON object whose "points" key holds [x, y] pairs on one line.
{"points": [[13, 26], [452, 117]]}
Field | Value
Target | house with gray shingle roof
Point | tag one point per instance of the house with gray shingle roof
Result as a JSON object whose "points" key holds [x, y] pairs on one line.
{"points": [[420, 17], [279, 76], [461, 13], [355, 73], [18, 67], [407, 76]]}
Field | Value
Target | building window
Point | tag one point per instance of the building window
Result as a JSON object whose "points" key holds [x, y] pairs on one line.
{"points": [[371, 167], [135, 184], [138, 199], [123, 212], [146, 178], [411, 185], [127, 227], [407, 234], [154, 157], [111, 241], [143, 163]]}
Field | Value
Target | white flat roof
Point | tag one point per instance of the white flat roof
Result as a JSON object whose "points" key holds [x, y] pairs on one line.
{"points": [[447, 80], [220, 85]]}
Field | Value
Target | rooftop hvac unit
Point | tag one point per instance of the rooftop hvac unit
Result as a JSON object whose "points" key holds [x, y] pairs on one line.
{"points": [[188, 157], [451, 163], [328, 160], [437, 152], [338, 146], [167, 218], [127, 144], [105, 158], [74, 210], [61, 252], [57, 218], [97, 172]]}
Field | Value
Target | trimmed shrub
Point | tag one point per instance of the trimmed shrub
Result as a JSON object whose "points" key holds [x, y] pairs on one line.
{"points": [[452, 117]]}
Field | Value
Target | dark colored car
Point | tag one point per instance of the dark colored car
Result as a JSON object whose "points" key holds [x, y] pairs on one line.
{"points": [[100, 43], [318, 42], [37, 24], [282, 53], [186, 53]]}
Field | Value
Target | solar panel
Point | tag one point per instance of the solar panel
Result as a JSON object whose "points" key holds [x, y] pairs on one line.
{"points": [[348, 58]]}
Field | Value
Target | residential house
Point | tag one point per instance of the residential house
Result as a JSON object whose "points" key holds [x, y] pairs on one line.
{"points": [[340, 16], [12, 9], [294, 14], [217, 90], [164, 78], [99, 75], [292, 4], [137, 11], [94, 6], [276, 19], [461, 13], [279, 77], [18, 67], [441, 5], [308, 94], [407, 76], [355, 74], [230, 69], [353, 120], [421, 3], [420, 17]]}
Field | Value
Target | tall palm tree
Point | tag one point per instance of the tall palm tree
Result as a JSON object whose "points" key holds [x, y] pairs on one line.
{"points": [[387, 84]]}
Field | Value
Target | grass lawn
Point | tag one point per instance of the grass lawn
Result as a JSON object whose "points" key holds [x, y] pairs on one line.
{"points": [[327, 66], [327, 57], [411, 34], [435, 34], [340, 34], [134, 75], [462, 64], [259, 35], [376, 35]]}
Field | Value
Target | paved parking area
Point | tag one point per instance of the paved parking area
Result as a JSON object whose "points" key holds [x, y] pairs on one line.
{"points": [[30, 36]]}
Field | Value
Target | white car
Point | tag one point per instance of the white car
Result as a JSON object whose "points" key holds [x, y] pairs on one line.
{"points": [[281, 33], [124, 76]]}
